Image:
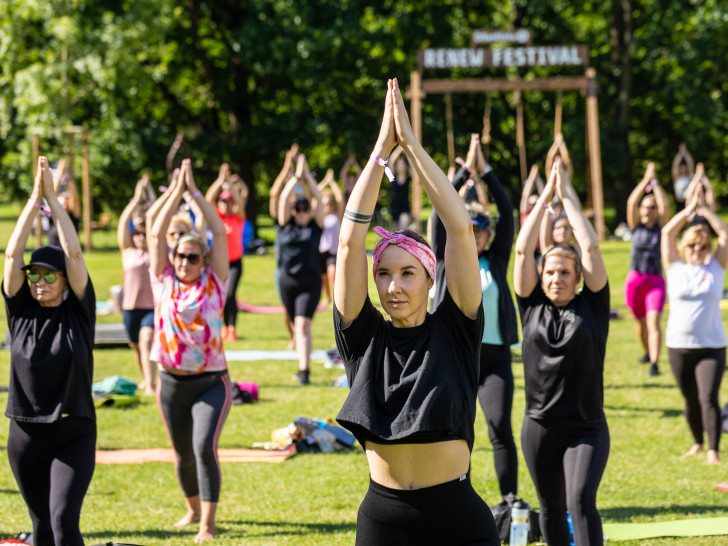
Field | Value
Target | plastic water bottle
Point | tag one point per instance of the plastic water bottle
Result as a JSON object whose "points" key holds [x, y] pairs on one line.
{"points": [[519, 524], [571, 528]]}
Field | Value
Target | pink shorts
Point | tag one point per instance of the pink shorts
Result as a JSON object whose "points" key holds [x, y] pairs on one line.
{"points": [[644, 292]]}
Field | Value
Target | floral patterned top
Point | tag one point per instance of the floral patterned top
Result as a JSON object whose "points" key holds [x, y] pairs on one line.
{"points": [[187, 322]]}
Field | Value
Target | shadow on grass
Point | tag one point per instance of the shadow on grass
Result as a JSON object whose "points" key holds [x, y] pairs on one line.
{"points": [[667, 413], [156, 534], [288, 528], [639, 386], [625, 514]]}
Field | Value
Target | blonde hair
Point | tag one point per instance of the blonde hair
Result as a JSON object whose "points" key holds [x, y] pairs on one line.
{"points": [[696, 233], [192, 238], [181, 218], [568, 252]]}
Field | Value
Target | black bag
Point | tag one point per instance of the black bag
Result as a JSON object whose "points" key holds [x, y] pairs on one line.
{"points": [[502, 515]]}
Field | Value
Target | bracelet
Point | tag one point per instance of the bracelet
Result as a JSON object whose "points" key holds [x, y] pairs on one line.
{"points": [[488, 168], [357, 217], [548, 206], [40, 207], [459, 161], [196, 194], [384, 163], [688, 213]]}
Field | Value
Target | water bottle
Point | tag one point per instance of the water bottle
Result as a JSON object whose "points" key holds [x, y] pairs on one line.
{"points": [[519, 524], [571, 528]]}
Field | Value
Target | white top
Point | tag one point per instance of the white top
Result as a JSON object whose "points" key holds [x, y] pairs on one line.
{"points": [[694, 292], [330, 234]]}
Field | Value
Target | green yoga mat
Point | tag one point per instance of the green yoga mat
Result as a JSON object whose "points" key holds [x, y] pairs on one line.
{"points": [[681, 528]]}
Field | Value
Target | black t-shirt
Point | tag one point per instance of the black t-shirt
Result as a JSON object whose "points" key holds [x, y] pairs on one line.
{"points": [[563, 355], [399, 197], [298, 248], [51, 357], [53, 238], [411, 385]]}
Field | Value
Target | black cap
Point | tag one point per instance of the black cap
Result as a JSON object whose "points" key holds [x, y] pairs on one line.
{"points": [[50, 257], [305, 203]]}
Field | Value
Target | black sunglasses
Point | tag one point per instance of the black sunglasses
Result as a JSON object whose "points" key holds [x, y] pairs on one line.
{"points": [[49, 278], [192, 259], [141, 233]]}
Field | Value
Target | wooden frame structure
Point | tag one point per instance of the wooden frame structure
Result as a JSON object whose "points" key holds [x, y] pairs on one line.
{"points": [[72, 133], [419, 88]]}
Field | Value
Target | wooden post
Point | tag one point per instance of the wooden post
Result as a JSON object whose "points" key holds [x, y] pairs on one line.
{"points": [[86, 184], [595, 157], [450, 132], [521, 136], [416, 117], [557, 114], [485, 138]]}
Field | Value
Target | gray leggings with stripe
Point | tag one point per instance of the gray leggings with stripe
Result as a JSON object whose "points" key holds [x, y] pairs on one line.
{"points": [[194, 408]]}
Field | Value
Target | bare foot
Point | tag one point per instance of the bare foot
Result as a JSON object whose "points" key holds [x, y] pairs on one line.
{"points": [[204, 536], [189, 517], [291, 344], [150, 392], [697, 448], [713, 457]]}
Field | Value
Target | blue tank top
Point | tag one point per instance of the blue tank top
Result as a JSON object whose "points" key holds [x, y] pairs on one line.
{"points": [[646, 249]]}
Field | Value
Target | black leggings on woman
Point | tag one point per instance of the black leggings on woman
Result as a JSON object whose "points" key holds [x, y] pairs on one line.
{"points": [[698, 373], [53, 464], [194, 408], [495, 393], [566, 461], [449, 513], [230, 311]]}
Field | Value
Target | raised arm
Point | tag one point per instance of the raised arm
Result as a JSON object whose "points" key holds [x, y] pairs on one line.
{"points": [[633, 201], [350, 163], [675, 168], [58, 175], [14, 250], [592, 263], [663, 206], [156, 206], [280, 181], [123, 232], [668, 241], [158, 223], [461, 256], [351, 284], [525, 274], [564, 155], [219, 260], [330, 182], [528, 188], [218, 185], [240, 193], [319, 214], [76, 272], [708, 189]]}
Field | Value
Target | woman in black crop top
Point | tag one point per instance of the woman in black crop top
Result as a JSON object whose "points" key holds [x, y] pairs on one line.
{"points": [[564, 437], [644, 288], [414, 378], [50, 307]]}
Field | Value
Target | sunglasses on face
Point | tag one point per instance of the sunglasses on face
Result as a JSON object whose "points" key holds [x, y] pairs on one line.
{"points": [[192, 259], [301, 209], [140, 233], [696, 246], [49, 278]]}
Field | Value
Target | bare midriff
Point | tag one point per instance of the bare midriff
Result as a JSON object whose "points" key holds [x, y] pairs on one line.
{"points": [[176, 371], [414, 466]]}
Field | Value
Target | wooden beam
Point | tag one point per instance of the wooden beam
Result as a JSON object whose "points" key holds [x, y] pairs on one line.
{"points": [[86, 187], [416, 118], [595, 155], [483, 85]]}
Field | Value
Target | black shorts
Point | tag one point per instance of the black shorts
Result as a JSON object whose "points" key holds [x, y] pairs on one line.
{"points": [[135, 320], [449, 513], [325, 260], [300, 296]]}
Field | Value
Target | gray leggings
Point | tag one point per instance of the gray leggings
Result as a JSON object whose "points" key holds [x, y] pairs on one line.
{"points": [[194, 408]]}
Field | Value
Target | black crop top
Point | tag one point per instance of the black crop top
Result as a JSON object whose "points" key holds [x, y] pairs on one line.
{"points": [[411, 385]]}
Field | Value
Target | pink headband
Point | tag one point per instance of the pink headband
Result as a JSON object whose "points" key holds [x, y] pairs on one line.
{"points": [[422, 252]]}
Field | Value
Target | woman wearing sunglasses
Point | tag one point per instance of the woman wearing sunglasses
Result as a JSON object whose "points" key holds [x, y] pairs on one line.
{"points": [[137, 301], [413, 378], [50, 305], [299, 236], [695, 337], [194, 390], [495, 383]]}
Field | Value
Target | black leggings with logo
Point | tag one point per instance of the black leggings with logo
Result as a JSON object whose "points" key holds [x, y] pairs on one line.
{"points": [[53, 464]]}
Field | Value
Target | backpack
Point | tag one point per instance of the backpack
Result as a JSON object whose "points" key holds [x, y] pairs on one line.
{"points": [[502, 516]]}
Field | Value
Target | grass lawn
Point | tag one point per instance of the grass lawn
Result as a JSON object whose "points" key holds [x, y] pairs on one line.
{"points": [[313, 499]]}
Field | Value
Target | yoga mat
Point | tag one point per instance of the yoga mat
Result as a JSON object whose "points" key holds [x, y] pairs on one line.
{"points": [[681, 528], [247, 356], [166, 455], [268, 309]]}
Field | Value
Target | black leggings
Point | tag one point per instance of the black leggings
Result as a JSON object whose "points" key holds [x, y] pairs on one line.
{"points": [[53, 464], [495, 393], [566, 461], [449, 513], [698, 373], [230, 312], [194, 408]]}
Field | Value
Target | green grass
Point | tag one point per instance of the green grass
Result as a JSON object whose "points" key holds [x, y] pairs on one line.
{"points": [[313, 499]]}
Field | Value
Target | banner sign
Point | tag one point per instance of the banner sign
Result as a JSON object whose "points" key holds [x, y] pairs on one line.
{"points": [[518, 36], [565, 55]]}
